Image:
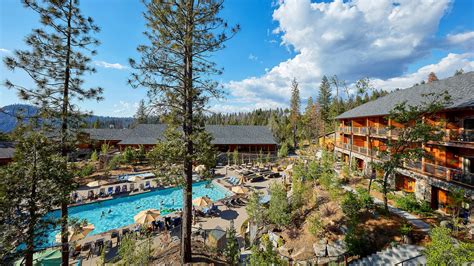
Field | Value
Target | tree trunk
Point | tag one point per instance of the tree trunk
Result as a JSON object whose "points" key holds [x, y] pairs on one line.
{"points": [[30, 243], [294, 137], [64, 127], [385, 189], [186, 252]]}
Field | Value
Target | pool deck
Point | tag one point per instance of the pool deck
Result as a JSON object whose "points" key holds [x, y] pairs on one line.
{"points": [[226, 215]]}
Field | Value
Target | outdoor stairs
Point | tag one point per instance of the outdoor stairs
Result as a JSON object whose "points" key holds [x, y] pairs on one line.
{"points": [[397, 255]]}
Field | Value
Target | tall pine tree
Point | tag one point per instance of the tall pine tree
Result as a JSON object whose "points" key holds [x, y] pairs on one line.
{"points": [[295, 111], [324, 100], [57, 61], [176, 68]]}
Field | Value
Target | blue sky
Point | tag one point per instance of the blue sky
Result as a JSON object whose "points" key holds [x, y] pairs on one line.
{"points": [[395, 45]]}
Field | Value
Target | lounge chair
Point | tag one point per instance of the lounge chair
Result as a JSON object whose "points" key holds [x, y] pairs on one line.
{"points": [[132, 187], [147, 185], [86, 247], [110, 191], [124, 188], [117, 190], [125, 231], [142, 187]]}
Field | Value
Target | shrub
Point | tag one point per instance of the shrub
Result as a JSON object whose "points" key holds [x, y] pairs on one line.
{"points": [[411, 204], [357, 243], [87, 170], [115, 162], [128, 155], [283, 151], [315, 225], [279, 209], [444, 250], [405, 229], [351, 206], [365, 199], [94, 156]]}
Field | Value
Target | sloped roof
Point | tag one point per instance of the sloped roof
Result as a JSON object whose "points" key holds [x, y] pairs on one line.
{"points": [[460, 88], [240, 135], [107, 133], [7, 149], [149, 134], [144, 134]]}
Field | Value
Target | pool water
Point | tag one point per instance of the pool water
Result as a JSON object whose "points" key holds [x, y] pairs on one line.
{"points": [[119, 212]]}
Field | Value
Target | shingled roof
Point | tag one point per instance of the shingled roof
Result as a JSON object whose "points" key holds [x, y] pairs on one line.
{"points": [[107, 133], [460, 88], [7, 149], [149, 134]]}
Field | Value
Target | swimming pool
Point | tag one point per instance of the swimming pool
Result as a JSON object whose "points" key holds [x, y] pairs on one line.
{"points": [[119, 212]]}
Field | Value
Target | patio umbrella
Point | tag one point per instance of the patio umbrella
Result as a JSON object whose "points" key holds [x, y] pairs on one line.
{"points": [[97, 183], [240, 190], [44, 258], [200, 168], [146, 216], [135, 178], [77, 233], [202, 201]]}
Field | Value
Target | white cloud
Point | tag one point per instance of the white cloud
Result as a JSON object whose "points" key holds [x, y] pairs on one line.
{"points": [[353, 39], [124, 108], [253, 57], [6, 51], [461, 37], [110, 65], [443, 69]]}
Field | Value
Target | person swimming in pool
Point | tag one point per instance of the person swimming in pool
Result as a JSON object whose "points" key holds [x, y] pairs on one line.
{"points": [[110, 210], [102, 214]]}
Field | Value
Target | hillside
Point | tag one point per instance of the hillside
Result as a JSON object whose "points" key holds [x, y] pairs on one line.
{"points": [[9, 113]]}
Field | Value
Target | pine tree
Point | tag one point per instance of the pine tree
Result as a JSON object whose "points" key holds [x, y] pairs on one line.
{"points": [[28, 191], [176, 69], [324, 100], [295, 110], [141, 115], [56, 63], [232, 249]]}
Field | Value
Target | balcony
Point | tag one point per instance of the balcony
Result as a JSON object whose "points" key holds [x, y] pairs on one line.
{"points": [[442, 172], [461, 135], [378, 131], [347, 130], [359, 130]]}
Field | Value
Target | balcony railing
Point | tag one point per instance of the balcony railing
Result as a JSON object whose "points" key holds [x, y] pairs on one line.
{"points": [[461, 135], [378, 131], [359, 130], [443, 172], [347, 130]]}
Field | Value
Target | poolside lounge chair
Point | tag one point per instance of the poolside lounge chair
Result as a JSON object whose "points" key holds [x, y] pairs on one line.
{"points": [[142, 187], [147, 185], [125, 231], [86, 247], [132, 187], [124, 188], [117, 190]]}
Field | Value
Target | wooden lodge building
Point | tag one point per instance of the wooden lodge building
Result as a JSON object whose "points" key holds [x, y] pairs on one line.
{"points": [[246, 139], [363, 131]]}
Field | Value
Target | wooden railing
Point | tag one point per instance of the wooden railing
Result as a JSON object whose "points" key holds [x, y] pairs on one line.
{"points": [[442, 172], [460, 135]]}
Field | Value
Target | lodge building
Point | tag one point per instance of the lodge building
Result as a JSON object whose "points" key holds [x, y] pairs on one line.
{"points": [[361, 133], [245, 139]]}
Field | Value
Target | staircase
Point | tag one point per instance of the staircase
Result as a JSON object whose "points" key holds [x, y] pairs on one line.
{"points": [[398, 255]]}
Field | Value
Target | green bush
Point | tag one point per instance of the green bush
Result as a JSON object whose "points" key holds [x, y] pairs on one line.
{"points": [[115, 162], [94, 156], [87, 170], [365, 199], [315, 225], [411, 204], [357, 243], [405, 229], [351, 207]]}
